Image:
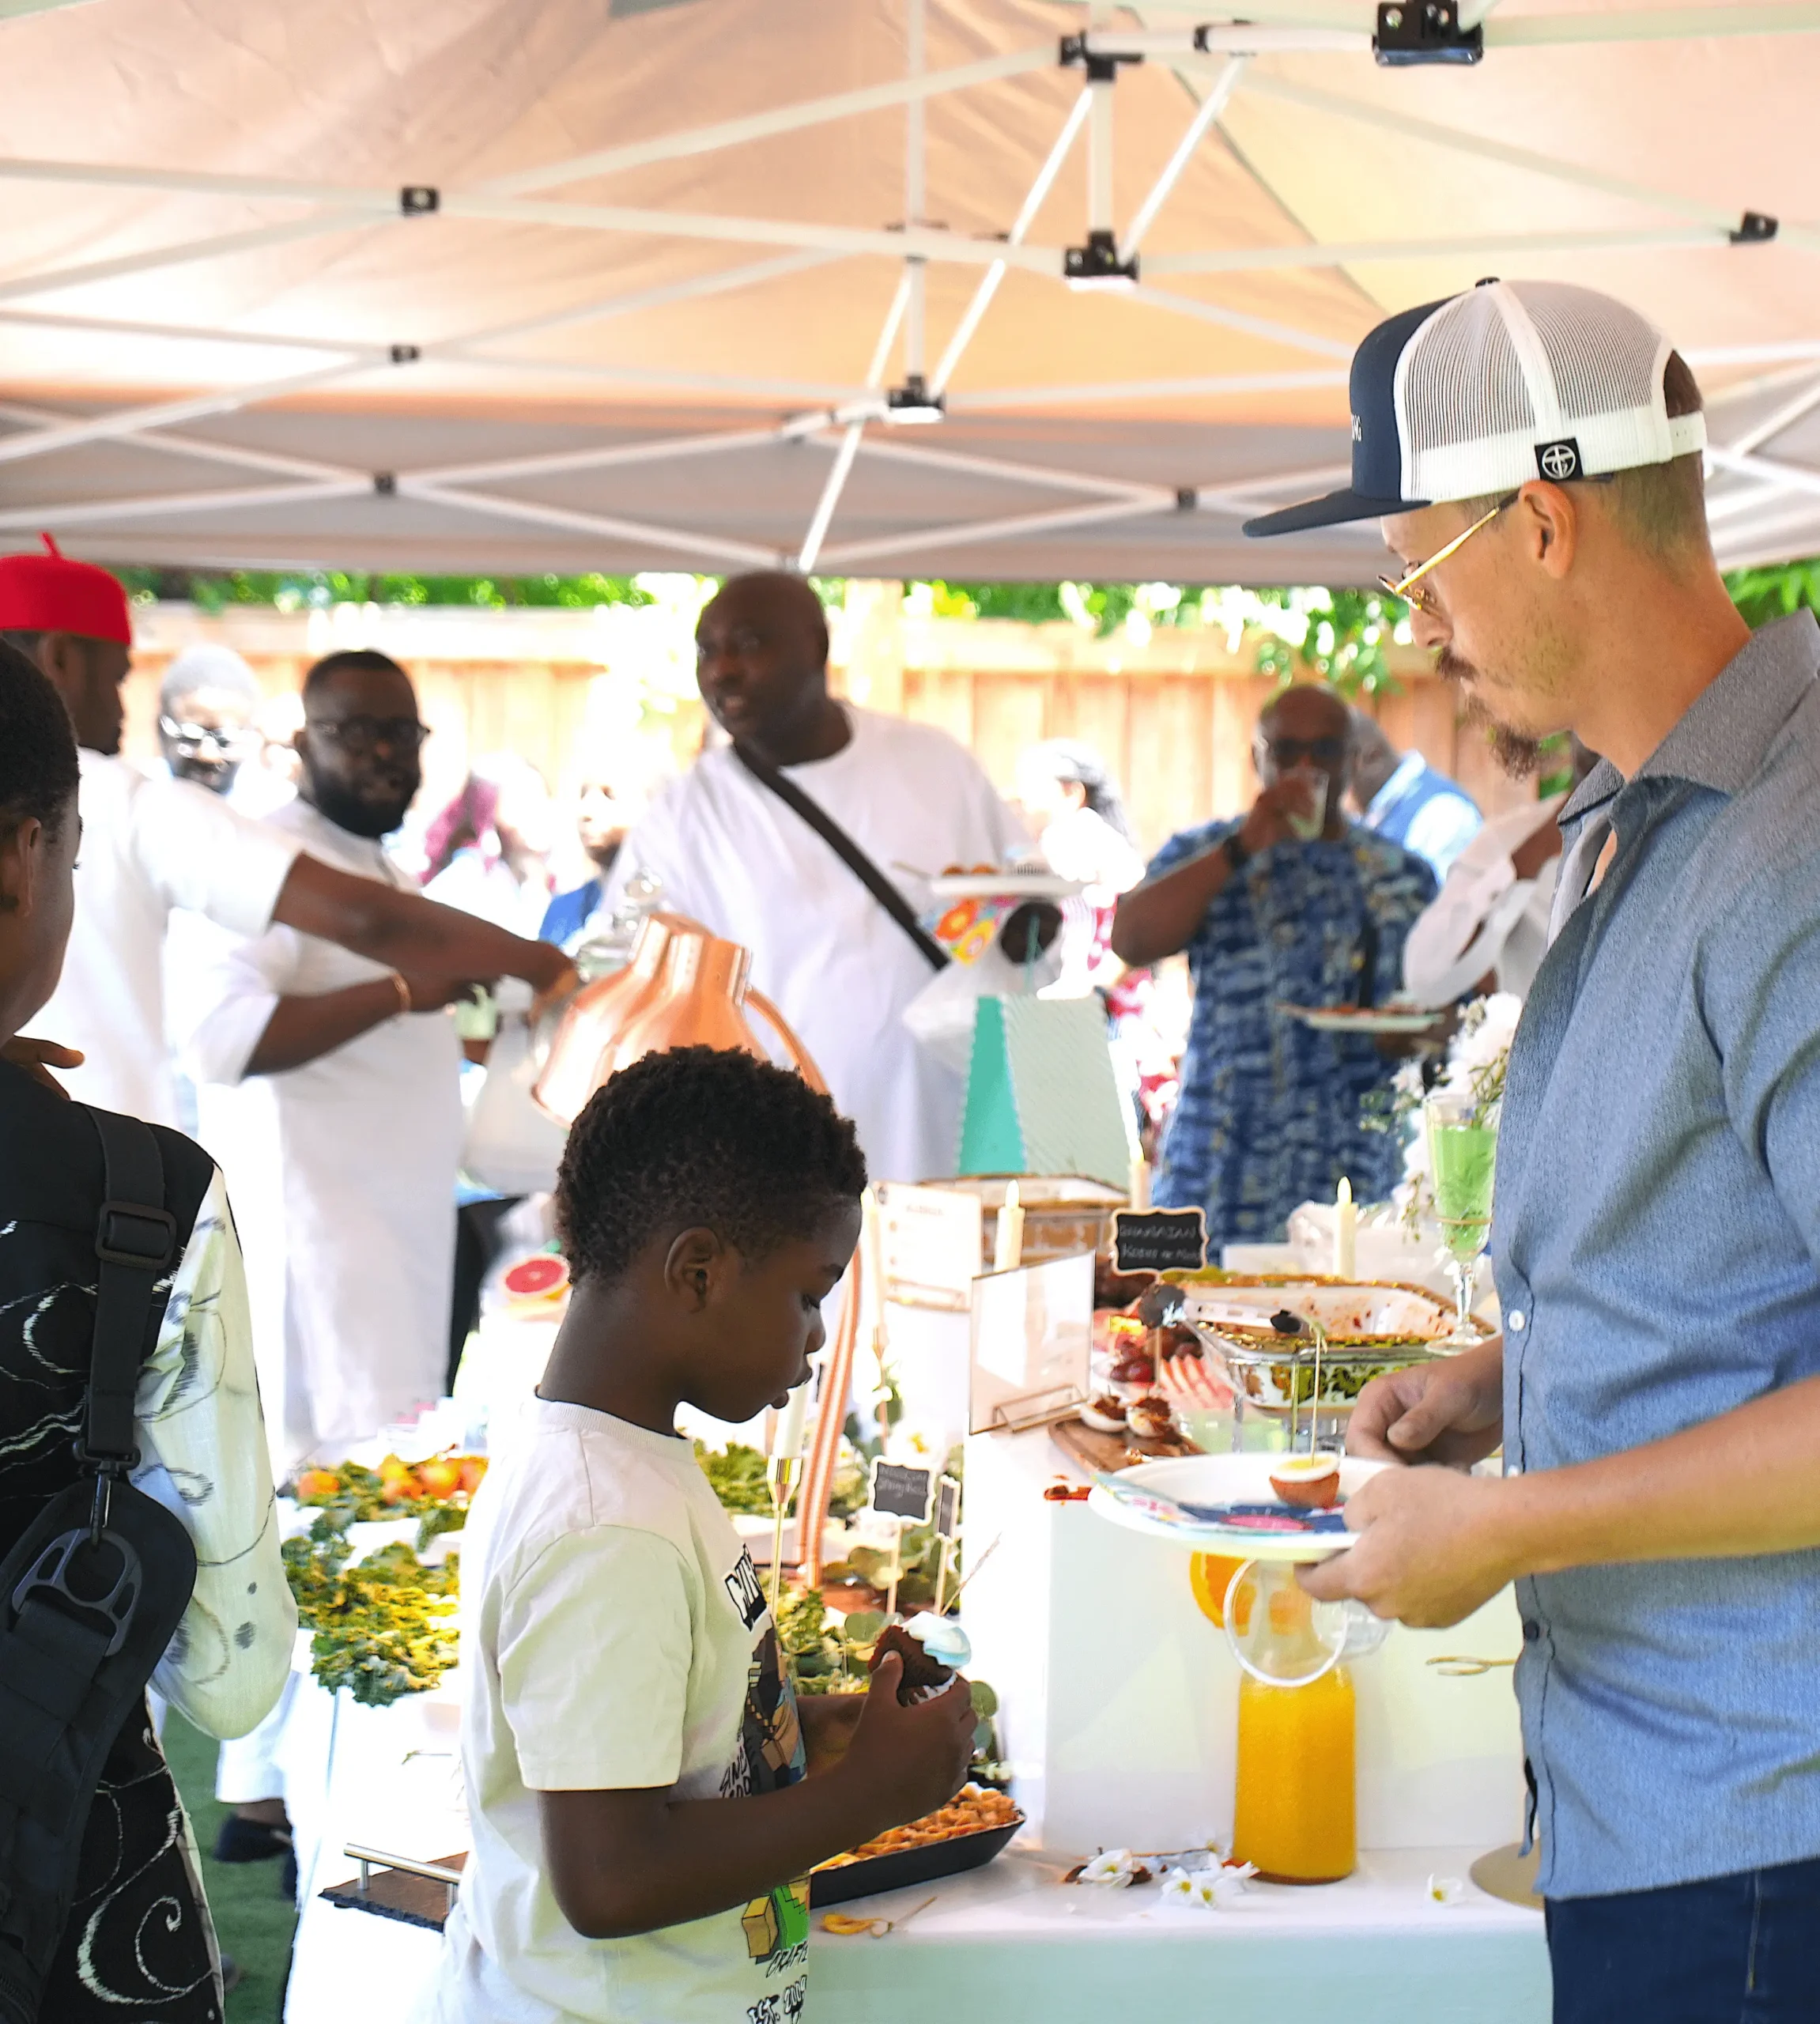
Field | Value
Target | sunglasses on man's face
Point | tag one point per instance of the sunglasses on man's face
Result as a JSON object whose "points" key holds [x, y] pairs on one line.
{"points": [[1423, 599], [1410, 586], [189, 738], [1286, 754]]}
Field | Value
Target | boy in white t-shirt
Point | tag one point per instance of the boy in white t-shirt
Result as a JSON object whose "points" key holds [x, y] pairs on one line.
{"points": [[636, 1758]]}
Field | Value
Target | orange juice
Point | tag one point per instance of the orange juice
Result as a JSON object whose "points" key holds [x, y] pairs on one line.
{"points": [[1296, 1779]]}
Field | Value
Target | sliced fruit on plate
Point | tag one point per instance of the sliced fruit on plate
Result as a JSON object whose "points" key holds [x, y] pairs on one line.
{"points": [[542, 1277]]}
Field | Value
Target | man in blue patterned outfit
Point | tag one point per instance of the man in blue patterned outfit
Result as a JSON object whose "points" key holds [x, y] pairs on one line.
{"points": [[1292, 904]]}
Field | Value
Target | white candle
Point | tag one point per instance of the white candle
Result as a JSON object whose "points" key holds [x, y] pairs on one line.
{"points": [[789, 1443], [1345, 1233], [1009, 1252], [1139, 1189]]}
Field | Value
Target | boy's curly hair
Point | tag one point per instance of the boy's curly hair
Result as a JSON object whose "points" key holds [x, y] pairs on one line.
{"points": [[700, 1136]]}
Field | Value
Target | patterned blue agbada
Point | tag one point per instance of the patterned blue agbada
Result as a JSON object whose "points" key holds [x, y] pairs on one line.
{"points": [[1272, 1113]]}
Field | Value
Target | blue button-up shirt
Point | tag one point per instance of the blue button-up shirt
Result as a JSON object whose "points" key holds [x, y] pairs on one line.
{"points": [[1655, 1240]]}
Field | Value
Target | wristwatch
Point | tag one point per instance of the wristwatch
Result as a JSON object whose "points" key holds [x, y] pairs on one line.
{"points": [[1237, 856]]}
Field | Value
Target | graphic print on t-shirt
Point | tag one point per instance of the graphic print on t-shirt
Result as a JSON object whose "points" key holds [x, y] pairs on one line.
{"points": [[770, 1755]]}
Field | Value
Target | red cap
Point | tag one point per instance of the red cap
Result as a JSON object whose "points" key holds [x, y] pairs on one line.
{"points": [[48, 593]]}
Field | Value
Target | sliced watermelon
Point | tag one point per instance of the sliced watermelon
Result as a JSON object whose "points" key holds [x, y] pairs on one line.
{"points": [[540, 1277]]}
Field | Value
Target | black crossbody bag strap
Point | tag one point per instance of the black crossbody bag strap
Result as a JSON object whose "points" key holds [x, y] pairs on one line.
{"points": [[92, 1595], [849, 853]]}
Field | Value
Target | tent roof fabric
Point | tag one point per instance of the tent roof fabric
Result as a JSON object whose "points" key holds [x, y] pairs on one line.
{"points": [[458, 285]]}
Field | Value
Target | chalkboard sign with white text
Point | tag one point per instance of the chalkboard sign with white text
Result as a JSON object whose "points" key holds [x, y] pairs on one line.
{"points": [[1160, 1239], [900, 1491], [948, 1509]]}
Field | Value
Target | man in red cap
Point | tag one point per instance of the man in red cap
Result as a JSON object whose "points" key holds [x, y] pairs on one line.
{"points": [[150, 845]]}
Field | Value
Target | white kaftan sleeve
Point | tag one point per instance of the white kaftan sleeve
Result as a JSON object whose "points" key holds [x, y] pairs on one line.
{"points": [[653, 845], [201, 854], [232, 997], [202, 1447]]}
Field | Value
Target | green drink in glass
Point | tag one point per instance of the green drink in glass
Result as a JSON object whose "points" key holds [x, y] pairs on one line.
{"points": [[1463, 1160]]}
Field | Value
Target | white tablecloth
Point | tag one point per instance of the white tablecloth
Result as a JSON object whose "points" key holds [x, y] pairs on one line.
{"points": [[1010, 1943]]}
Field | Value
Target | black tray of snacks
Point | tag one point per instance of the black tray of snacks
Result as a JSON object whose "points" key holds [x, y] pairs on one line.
{"points": [[924, 1862]]}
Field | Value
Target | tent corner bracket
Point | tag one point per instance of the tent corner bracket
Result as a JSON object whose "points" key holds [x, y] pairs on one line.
{"points": [[1096, 265], [1101, 65], [1412, 31], [1754, 228]]}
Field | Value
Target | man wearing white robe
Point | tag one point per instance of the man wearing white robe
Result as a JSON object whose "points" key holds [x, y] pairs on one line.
{"points": [[730, 854], [345, 1123]]}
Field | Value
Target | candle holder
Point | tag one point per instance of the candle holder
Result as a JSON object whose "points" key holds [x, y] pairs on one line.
{"points": [[782, 1474]]}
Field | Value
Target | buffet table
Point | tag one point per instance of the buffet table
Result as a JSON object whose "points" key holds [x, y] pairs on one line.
{"points": [[1093, 1637], [1011, 1941]]}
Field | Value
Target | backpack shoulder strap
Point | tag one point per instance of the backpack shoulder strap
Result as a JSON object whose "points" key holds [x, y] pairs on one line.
{"points": [[136, 1241], [849, 853]]}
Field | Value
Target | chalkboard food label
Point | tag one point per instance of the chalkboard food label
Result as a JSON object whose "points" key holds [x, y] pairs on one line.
{"points": [[1160, 1239], [900, 1491], [948, 1509]]}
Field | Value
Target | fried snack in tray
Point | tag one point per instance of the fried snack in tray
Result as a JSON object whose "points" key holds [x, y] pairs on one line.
{"points": [[973, 1810]]}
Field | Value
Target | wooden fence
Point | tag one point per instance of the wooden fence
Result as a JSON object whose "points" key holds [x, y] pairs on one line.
{"points": [[1173, 716]]}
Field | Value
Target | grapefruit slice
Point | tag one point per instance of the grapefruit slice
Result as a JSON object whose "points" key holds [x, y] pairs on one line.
{"points": [[542, 1277]]}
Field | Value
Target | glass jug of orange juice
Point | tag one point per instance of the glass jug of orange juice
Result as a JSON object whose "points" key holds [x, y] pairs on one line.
{"points": [[1295, 1815]]}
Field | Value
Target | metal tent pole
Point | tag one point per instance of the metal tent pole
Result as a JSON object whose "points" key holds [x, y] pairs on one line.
{"points": [[988, 286], [1205, 113]]}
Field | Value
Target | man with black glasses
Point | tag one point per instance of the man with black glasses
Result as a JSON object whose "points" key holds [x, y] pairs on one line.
{"points": [[348, 1119], [1294, 904]]}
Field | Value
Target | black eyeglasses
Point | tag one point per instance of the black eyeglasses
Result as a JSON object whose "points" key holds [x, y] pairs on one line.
{"points": [[361, 735], [1287, 751]]}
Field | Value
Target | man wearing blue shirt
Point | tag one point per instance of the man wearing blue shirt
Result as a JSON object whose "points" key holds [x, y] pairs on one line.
{"points": [[1533, 453], [1292, 905], [600, 822], [1403, 797]]}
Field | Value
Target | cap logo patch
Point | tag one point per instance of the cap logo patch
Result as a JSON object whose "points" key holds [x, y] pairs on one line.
{"points": [[1358, 430], [1558, 461]]}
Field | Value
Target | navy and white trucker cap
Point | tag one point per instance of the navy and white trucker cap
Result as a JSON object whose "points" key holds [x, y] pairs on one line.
{"points": [[1478, 394]]}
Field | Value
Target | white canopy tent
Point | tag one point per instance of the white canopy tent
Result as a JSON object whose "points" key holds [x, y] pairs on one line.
{"points": [[459, 286]]}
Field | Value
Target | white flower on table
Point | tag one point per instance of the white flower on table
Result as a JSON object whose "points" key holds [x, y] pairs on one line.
{"points": [[1208, 1889], [1446, 1889], [1116, 1867]]}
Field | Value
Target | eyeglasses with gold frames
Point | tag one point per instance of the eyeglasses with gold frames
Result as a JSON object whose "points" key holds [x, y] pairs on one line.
{"points": [[1405, 587]]}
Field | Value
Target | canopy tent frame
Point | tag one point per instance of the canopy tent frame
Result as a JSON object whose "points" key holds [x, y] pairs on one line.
{"points": [[1216, 57]]}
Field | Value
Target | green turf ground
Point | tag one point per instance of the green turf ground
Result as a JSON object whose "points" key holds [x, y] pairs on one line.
{"points": [[252, 1921]]}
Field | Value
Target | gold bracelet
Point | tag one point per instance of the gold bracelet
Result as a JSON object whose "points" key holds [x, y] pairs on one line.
{"points": [[404, 992]]}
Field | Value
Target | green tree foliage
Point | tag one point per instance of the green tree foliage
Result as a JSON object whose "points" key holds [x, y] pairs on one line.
{"points": [[292, 589], [1762, 595]]}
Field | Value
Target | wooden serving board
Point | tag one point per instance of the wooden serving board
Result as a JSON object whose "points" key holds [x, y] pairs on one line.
{"points": [[1094, 1450], [397, 1894]]}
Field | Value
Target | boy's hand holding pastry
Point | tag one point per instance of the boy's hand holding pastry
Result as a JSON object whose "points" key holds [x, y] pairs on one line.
{"points": [[908, 1760]]}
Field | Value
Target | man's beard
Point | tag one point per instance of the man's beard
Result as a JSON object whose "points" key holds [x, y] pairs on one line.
{"points": [[359, 816], [217, 775], [1521, 755]]}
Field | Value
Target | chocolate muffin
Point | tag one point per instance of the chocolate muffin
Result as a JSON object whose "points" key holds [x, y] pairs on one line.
{"points": [[922, 1674]]}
